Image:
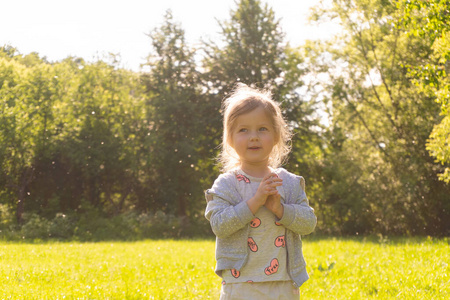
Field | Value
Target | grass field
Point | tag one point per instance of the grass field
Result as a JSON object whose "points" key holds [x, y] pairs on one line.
{"points": [[339, 269]]}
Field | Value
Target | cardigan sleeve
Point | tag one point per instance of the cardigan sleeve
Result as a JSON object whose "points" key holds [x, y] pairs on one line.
{"points": [[298, 216], [226, 212]]}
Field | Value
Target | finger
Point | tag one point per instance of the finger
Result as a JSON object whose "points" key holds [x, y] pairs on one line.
{"points": [[274, 185], [272, 191], [271, 175], [277, 181], [274, 175], [268, 176]]}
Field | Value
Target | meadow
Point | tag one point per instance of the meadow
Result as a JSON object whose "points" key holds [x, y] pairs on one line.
{"points": [[340, 268]]}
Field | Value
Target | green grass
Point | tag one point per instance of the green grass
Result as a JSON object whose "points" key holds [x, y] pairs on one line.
{"points": [[360, 269], [339, 269]]}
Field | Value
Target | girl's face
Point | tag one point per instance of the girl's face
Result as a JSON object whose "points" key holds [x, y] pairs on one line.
{"points": [[253, 138]]}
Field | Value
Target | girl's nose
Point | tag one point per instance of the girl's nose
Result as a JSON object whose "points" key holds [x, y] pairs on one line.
{"points": [[254, 136]]}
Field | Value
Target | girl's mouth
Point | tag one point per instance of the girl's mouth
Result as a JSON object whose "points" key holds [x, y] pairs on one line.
{"points": [[254, 148]]}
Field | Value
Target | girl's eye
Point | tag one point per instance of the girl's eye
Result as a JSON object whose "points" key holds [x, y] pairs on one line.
{"points": [[263, 129], [243, 130]]}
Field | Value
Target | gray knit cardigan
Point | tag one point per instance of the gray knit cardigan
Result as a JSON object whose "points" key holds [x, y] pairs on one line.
{"points": [[230, 219]]}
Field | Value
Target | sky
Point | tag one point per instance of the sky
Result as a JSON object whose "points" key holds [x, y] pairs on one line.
{"points": [[92, 29]]}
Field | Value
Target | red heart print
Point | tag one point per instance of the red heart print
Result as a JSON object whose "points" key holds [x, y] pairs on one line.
{"points": [[273, 268], [255, 223], [235, 273], [252, 245], [280, 241], [242, 178]]}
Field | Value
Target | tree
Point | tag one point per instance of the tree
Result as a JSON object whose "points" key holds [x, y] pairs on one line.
{"points": [[432, 19], [102, 145], [382, 178], [70, 133], [176, 113], [253, 51], [27, 89]]}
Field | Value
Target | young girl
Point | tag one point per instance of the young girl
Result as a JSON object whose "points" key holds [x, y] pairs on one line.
{"points": [[256, 209]]}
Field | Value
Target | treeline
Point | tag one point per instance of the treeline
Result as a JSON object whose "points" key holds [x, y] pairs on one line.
{"points": [[91, 150]]}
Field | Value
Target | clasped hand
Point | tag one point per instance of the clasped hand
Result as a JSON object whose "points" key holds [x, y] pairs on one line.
{"points": [[267, 194]]}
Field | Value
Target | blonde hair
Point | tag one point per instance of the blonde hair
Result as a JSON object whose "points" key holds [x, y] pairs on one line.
{"points": [[245, 99]]}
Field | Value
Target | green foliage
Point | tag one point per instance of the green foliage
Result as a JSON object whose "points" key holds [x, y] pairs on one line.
{"points": [[378, 175], [6, 216], [35, 227], [62, 226], [160, 225], [94, 225], [177, 117], [439, 144], [91, 151], [252, 50], [431, 19]]}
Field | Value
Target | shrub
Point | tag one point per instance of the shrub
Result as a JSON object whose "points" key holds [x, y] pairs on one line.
{"points": [[62, 226], [7, 218], [35, 227], [93, 225], [159, 225]]}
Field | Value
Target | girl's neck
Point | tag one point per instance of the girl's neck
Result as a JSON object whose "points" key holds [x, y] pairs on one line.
{"points": [[256, 171]]}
